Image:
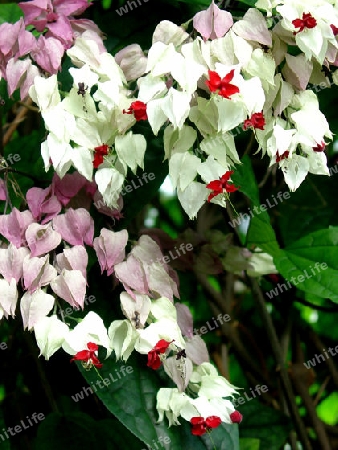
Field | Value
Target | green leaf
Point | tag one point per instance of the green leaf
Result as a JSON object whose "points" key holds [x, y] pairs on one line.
{"points": [[244, 177], [132, 399], [262, 235], [266, 424], [249, 444], [76, 431], [10, 12], [303, 259]]}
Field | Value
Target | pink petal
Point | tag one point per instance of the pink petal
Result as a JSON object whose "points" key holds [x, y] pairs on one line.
{"points": [[11, 261], [48, 54], [70, 7], [15, 72], [75, 226], [13, 226], [26, 41], [71, 286], [35, 307], [41, 202], [67, 187], [28, 81], [212, 23], [3, 191], [159, 281], [42, 239], [196, 350], [184, 319], [253, 27], [75, 258], [9, 36], [61, 30], [132, 276], [37, 272], [8, 297], [110, 248], [34, 9]]}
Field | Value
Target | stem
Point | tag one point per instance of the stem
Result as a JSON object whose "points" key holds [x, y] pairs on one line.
{"points": [[18, 119]]}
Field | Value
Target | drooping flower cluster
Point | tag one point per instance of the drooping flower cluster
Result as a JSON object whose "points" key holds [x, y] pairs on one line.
{"points": [[198, 92], [56, 28], [246, 90]]}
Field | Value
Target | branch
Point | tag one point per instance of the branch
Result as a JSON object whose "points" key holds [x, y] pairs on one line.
{"points": [[18, 119]]}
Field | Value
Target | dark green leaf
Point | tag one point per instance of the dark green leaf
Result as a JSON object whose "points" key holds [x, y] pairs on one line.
{"points": [[303, 258]]}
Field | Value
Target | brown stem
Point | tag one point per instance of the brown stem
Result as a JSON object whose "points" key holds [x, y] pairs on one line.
{"points": [[18, 119]]}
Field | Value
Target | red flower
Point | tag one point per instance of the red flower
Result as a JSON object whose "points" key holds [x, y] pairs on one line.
{"points": [[154, 360], [236, 417], [99, 153], [201, 426], [139, 109], [334, 29], [256, 121], [221, 185], [88, 356], [222, 85], [279, 157], [307, 21], [320, 147]]}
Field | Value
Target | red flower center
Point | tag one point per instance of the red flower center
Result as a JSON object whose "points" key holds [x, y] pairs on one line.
{"points": [[154, 359], [222, 85], [256, 121], [201, 426], [99, 153], [88, 357], [221, 185], [283, 156], [307, 21], [139, 109]]}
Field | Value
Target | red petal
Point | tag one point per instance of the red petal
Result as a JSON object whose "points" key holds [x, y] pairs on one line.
{"points": [[236, 417], [230, 188], [214, 82], [228, 89], [197, 420], [93, 347], [228, 77], [226, 177], [162, 345], [96, 361], [154, 361], [198, 430], [215, 185], [213, 421], [83, 355]]}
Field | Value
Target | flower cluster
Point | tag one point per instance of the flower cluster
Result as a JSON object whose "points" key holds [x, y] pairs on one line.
{"points": [[52, 30], [245, 88], [197, 91]]}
